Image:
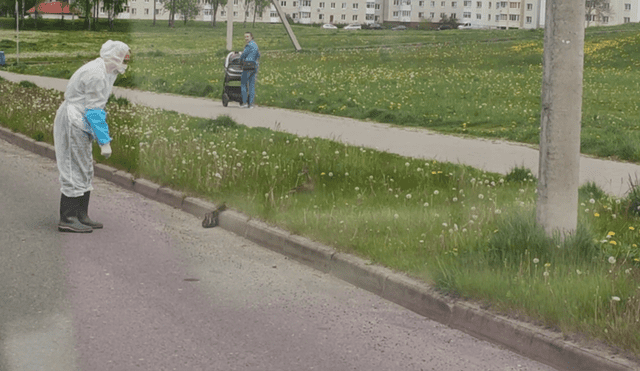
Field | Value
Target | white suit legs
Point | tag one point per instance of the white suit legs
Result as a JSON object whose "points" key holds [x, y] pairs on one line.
{"points": [[73, 155]]}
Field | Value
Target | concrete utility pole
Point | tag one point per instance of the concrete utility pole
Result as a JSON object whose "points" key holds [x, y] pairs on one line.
{"points": [[557, 206], [287, 26], [230, 25], [281, 14]]}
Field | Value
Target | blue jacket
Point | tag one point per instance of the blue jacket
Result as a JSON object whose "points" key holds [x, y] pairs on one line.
{"points": [[251, 52]]}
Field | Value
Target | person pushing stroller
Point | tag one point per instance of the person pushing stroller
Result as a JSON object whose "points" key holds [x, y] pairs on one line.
{"points": [[250, 60]]}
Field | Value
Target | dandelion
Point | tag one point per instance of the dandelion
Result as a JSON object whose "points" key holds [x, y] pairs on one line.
{"points": [[612, 260], [536, 260], [408, 196], [436, 192], [592, 201], [615, 298], [396, 216], [547, 265], [481, 196], [596, 215], [346, 174], [455, 199], [498, 211], [578, 271], [632, 229], [301, 154], [357, 189], [611, 234], [322, 174], [330, 174], [612, 242], [406, 164], [545, 274], [425, 204]]}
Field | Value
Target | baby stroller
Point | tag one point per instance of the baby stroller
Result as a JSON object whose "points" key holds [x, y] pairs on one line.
{"points": [[232, 76]]}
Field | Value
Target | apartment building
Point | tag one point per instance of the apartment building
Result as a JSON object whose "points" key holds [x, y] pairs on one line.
{"points": [[526, 14]]}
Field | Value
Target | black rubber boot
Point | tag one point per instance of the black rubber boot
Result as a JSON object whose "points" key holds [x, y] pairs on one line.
{"points": [[83, 212], [68, 216]]}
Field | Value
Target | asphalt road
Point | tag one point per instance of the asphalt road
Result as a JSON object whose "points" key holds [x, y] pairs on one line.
{"points": [[156, 291]]}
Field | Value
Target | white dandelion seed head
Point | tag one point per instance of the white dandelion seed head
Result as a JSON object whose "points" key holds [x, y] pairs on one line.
{"points": [[611, 260], [536, 260]]}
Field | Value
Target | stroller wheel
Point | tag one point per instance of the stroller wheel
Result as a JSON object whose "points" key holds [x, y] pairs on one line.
{"points": [[225, 99]]}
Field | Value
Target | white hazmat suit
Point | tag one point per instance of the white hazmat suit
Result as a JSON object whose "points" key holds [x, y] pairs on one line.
{"points": [[89, 89]]}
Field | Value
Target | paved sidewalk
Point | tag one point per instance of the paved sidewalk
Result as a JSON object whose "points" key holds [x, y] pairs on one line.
{"points": [[490, 155]]}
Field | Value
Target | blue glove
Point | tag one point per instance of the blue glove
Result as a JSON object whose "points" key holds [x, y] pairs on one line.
{"points": [[97, 120]]}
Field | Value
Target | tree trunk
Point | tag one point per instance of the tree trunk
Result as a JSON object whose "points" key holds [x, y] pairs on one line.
{"points": [[557, 205]]}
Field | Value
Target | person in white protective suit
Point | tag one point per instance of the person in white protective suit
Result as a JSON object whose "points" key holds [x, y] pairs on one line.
{"points": [[81, 119]]}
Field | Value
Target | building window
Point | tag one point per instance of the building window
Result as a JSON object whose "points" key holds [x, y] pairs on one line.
{"points": [[274, 15], [627, 6], [355, 6], [514, 17], [333, 5], [432, 15], [529, 6], [443, 4], [406, 13], [354, 17], [321, 5], [529, 20], [235, 14], [453, 16], [343, 17], [421, 3], [467, 3], [433, 4], [282, 3], [295, 3], [627, 20], [443, 15], [479, 4], [396, 2], [305, 14], [478, 16], [223, 13], [146, 11], [420, 15], [466, 15], [514, 5], [454, 4], [320, 16], [489, 17], [605, 19], [377, 6], [344, 5], [157, 11], [306, 3]]}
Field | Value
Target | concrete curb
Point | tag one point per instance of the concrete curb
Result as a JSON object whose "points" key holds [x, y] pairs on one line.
{"points": [[535, 343]]}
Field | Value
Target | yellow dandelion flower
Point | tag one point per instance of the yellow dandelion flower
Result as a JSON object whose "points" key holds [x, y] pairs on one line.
{"points": [[632, 229], [613, 242], [611, 234], [596, 215]]}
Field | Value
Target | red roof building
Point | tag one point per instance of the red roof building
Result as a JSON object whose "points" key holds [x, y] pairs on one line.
{"points": [[54, 9]]}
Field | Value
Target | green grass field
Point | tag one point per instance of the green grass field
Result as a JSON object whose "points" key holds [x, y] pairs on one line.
{"points": [[469, 233], [478, 83]]}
